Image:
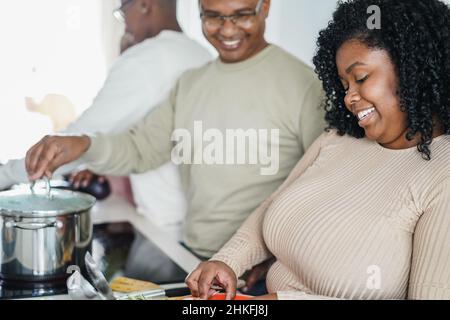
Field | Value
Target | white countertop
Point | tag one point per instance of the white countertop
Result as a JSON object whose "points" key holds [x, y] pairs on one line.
{"points": [[116, 209]]}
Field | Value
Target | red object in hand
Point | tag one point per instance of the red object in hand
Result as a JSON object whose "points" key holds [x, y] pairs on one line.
{"points": [[222, 296]]}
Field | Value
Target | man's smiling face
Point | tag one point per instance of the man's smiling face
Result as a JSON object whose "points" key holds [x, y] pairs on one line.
{"points": [[240, 39]]}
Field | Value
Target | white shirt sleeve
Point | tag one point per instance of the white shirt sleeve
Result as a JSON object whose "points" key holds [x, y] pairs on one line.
{"points": [[130, 91]]}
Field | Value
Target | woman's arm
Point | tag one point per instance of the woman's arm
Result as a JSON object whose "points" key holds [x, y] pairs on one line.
{"points": [[247, 247], [430, 265]]}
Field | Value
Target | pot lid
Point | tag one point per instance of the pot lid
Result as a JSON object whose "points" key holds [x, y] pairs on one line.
{"points": [[40, 203]]}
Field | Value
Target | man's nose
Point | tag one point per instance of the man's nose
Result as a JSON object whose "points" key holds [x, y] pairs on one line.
{"points": [[228, 28]]}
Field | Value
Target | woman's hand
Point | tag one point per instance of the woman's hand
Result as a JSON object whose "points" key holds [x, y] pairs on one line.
{"points": [[209, 274], [52, 152]]}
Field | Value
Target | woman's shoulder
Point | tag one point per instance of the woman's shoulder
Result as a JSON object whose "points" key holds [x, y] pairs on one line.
{"points": [[441, 145], [333, 137], [440, 153]]}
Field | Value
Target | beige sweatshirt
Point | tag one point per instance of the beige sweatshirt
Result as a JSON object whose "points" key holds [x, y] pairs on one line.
{"points": [[354, 221], [268, 92]]}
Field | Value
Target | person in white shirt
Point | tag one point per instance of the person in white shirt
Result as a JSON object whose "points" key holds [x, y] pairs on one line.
{"points": [[139, 80]]}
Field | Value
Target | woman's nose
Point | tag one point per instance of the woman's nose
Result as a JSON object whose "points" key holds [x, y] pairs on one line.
{"points": [[351, 98]]}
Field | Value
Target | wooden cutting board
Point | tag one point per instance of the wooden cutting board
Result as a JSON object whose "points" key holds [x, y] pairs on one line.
{"points": [[127, 285]]}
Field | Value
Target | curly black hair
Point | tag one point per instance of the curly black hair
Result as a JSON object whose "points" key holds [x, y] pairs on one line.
{"points": [[416, 35]]}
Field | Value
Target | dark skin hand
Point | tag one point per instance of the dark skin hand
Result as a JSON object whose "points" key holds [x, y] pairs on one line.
{"points": [[52, 152], [84, 178], [209, 274], [217, 273], [257, 273]]}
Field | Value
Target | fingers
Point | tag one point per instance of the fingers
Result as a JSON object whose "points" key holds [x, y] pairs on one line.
{"points": [[39, 157], [254, 276], [192, 281], [32, 157], [230, 288], [45, 164], [205, 282], [208, 274], [82, 178], [52, 152]]}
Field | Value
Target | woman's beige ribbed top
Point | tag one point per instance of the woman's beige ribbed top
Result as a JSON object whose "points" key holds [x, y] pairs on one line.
{"points": [[354, 220]]}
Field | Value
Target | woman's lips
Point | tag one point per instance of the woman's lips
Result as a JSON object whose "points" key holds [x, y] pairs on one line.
{"points": [[365, 116]]}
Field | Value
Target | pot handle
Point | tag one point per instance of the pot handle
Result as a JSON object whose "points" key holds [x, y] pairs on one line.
{"points": [[33, 225], [48, 187]]}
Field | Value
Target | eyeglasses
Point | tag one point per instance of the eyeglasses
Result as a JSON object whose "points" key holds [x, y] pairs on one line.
{"points": [[240, 20], [119, 13]]}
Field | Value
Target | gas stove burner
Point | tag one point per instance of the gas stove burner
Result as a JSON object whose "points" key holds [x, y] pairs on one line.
{"points": [[27, 289], [119, 250]]}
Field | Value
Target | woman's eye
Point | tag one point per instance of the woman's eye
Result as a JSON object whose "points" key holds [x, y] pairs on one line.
{"points": [[362, 79]]}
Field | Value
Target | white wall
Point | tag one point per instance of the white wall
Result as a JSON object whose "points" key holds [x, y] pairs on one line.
{"points": [[295, 25]]}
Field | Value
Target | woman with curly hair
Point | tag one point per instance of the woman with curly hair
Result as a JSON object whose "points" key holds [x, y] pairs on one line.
{"points": [[366, 212]]}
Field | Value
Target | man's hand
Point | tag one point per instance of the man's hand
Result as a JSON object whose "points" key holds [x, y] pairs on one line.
{"points": [[52, 152], [84, 178], [209, 274], [257, 273]]}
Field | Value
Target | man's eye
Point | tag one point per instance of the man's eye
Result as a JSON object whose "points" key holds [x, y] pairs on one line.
{"points": [[244, 14], [212, 16], [362, 79]]}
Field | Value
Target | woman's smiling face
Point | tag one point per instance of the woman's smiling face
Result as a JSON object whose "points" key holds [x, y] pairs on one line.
{"points": [[371, 83]]}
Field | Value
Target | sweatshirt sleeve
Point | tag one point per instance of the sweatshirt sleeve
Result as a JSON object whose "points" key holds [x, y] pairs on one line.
{"points": [[247, 247], [129, 92], [146, 146], [430, 269], [126, 96], [14, 172], [312, 116]]}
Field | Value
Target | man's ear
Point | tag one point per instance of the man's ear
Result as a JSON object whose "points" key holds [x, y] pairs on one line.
{"points": [[145, 6], [266, 8]]}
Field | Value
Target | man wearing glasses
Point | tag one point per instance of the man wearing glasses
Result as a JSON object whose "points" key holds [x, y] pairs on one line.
{"points": [[251, 86], [140, 79]]}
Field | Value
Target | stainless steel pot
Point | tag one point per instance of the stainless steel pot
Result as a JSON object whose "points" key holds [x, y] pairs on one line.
{"points": [[43, 233]]}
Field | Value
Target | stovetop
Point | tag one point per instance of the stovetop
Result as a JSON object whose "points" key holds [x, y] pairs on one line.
{"points": [[119, 250]]}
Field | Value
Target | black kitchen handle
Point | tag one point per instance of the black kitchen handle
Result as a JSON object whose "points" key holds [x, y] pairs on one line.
{"points": [[178, 292]]}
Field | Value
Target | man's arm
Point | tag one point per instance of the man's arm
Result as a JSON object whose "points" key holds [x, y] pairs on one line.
{"points": [[126, 97], [144, 147]]}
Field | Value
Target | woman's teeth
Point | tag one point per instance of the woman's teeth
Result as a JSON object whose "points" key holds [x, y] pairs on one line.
{"points": [[365, 113]]}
